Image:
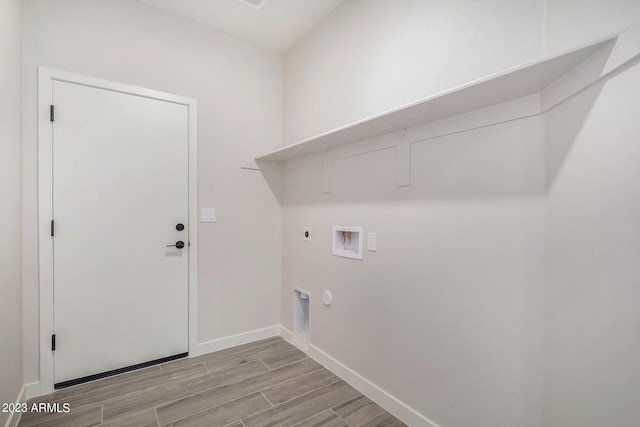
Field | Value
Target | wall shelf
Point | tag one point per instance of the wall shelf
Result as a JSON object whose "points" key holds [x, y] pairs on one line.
{"points": [[526, 79]]}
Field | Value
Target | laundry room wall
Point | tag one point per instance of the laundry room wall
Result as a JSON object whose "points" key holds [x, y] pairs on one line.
{"points": [[371, 56], [446, 315], [558, 336], [571, 22], [239, 91], [10, 202], [593, 246], [593, 234]]}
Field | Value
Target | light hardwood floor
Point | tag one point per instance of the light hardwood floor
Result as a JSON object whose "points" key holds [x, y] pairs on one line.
{"points": [[265, 383]]}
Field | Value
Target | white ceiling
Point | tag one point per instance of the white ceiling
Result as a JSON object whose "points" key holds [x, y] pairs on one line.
{"points": [[277, 26]]}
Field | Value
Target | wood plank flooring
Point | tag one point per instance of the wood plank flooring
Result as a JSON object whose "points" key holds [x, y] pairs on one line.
{"points": [[265, 383]]}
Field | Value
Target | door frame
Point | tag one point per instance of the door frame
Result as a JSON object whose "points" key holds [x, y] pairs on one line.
{"points": [[46, 77]]}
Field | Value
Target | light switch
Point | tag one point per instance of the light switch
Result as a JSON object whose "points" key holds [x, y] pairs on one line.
{"points": [[371, 242], [208, 215]]}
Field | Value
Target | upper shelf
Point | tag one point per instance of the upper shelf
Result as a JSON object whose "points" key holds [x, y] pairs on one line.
{"points": [[526, 79]]}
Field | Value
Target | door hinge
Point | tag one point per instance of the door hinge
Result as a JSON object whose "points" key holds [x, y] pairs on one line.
{"points": [[53, 342], [52, 228], [52, 113]]}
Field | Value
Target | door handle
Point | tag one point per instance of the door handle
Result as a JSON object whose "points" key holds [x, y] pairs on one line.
{"points": [[179, 244]]}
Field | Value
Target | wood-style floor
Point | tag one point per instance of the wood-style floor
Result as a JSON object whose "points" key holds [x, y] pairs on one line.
{"points": [[266, 383]]}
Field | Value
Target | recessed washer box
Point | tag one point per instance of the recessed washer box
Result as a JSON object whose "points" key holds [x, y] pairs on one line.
{"points": [[347, 241]]}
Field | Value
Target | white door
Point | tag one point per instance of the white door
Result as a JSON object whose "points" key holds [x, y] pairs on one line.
{"points": [[120, 189]]}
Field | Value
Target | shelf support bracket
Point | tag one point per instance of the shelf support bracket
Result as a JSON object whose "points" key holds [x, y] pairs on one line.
{"points": [[404, 160], [404, 156], [326, 175]]}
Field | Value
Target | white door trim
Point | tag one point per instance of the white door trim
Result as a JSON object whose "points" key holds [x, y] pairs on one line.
{"points": [[46, 77]]}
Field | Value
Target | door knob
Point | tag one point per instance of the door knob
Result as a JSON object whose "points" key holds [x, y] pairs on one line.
{"points": [[179, 244]]}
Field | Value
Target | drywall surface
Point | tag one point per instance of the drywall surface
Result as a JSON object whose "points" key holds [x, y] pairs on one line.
{"points": [[10, 202], [592, 369], [572, 22], [239, 91], [446, 315], [370, 56]]}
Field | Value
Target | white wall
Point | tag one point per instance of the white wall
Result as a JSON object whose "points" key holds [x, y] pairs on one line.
{"points": [[369, 56], [11, 198], [592, 369], [239, 90], [447, 314], [572, 22], [593, 239]]}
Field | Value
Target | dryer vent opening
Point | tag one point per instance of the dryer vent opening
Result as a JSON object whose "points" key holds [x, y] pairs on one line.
{"points": [[301, 319]]}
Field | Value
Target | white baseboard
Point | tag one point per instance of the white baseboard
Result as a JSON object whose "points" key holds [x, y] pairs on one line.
{"points": [[32, 390], [286, 334], [14, 417], [366, 387], [235, 340], [388, 402]]}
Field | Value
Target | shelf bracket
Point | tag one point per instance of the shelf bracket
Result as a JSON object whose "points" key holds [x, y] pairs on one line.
{"points": [[326, 176], [404, 160], [404, 156]]}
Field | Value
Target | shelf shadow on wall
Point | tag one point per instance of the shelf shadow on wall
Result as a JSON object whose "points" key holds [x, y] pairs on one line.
{"points": [[497, 162], [272, 174], [564, 122]]}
